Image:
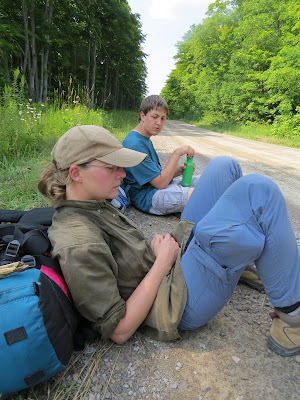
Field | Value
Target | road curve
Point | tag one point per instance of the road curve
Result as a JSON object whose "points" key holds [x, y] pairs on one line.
{"points": [[280, 163]]}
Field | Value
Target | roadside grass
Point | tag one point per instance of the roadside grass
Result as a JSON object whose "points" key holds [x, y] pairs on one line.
{"points": [[18, 183], [120, 122], [26, 129], [254, 131], [20, 172]]}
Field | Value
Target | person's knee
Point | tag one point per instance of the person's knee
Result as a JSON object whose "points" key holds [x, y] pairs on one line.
{"points": [[190, 191], [224, 160], [227, 162], [261, 181], [262, 190]]}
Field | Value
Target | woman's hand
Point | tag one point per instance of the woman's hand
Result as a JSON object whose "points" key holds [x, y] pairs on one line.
{"points": [[166, 250], [139, 303]]}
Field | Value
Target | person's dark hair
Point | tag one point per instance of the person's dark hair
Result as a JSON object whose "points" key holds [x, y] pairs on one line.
{"points": [[152, 103]]}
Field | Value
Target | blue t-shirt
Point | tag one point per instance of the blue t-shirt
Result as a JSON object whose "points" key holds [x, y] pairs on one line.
{"points": [[138, 177]]}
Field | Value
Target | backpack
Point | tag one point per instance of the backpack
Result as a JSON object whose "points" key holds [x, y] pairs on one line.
{"points": [[37, 319], [122, 200]]}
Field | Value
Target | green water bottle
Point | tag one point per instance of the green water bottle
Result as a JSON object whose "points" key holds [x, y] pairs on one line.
{"points": [[187, 175]]}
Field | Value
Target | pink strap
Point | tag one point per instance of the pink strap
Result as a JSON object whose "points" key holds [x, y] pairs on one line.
{"points": [[57, 278]]}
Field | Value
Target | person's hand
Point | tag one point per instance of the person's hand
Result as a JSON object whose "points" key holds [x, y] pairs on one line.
{"points": [[179, 171], [188, 150], [166, 250], [155, 241]]}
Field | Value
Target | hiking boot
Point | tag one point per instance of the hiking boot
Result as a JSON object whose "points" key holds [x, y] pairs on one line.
{"points": [[250, 278], [284, 338]]}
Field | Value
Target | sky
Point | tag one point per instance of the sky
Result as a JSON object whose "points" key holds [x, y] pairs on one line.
{"points": [[164, 22]]}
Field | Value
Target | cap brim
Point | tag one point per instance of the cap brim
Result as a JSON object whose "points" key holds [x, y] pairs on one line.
{"points": [[123, 158]]}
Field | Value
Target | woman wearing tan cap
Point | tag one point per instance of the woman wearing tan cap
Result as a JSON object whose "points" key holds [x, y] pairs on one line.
{"points": [[122, 281]]}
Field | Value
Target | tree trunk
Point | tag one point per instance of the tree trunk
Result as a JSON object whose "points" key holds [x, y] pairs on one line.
{"points": [[94, 75], [45, 81], [105, 85], [87, 77], [116, 88], [45, 67], [33, 79], [27, 58], [6, 70], [40, 89]]}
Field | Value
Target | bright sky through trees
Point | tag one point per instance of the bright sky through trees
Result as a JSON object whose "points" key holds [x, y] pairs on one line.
{"points": [[165, 22]]}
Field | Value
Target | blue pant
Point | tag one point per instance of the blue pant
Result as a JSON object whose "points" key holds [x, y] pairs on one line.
{"points": [[238, 220]]}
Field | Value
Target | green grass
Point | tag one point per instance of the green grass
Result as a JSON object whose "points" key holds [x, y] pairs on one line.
{"points": [[19, 174], [120, 122], [29, 129], [18, 183]]}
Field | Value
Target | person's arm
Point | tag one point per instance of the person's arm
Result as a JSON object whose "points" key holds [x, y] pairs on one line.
{"points": [[171, 169], [139, 303]]}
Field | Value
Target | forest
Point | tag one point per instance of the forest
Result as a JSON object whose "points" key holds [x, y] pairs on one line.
{"points": [[92, 46], [241, 64]]}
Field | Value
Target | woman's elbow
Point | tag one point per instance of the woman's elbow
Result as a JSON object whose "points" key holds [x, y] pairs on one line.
{"points": [[119, 338]]}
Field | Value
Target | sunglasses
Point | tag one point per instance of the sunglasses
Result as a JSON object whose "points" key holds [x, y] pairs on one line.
{"points": [[112, 167]]}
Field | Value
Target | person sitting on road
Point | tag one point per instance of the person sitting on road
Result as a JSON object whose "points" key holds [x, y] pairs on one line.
{"points": [[172, 282], [151, 188]]}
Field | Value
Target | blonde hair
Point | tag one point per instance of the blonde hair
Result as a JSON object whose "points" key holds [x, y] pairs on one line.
{"points": [[53, 181]]}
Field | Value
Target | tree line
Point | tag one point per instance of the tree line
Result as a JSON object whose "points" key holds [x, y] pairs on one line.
{"points": [[241, 64], [95, 44]]}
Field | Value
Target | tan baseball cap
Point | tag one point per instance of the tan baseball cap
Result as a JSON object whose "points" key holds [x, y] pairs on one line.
{"points": [[84, 143]]}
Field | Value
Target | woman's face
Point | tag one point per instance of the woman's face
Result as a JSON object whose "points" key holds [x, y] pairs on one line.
{"points": [[98, 181]]}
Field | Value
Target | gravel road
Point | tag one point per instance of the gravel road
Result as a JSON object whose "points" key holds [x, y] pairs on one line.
{"points": [[228, 358], [282, 164]]}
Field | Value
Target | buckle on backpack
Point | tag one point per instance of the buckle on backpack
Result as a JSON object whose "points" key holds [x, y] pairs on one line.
{"points": [[12, 248], [29, 260]]}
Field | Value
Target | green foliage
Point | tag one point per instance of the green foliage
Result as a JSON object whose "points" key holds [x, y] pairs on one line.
{"points": [[241, 64], [120, 122], [98, 43]]}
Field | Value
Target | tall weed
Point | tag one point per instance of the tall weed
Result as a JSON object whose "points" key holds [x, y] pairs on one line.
{"points": [[20, 171], [120, 122], [27, 129]]}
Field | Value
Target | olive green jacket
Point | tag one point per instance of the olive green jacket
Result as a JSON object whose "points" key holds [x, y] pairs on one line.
{"points": [[104, 257]]}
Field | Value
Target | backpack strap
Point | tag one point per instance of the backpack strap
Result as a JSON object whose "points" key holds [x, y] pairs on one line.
{"points": [[25, 244]]}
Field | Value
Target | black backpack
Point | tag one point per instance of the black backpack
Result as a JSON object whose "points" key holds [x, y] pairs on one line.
{"points": [[24, 237], [39, 327]]}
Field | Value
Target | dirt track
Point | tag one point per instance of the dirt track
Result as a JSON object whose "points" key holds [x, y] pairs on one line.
{"points": [[282, 164]]}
